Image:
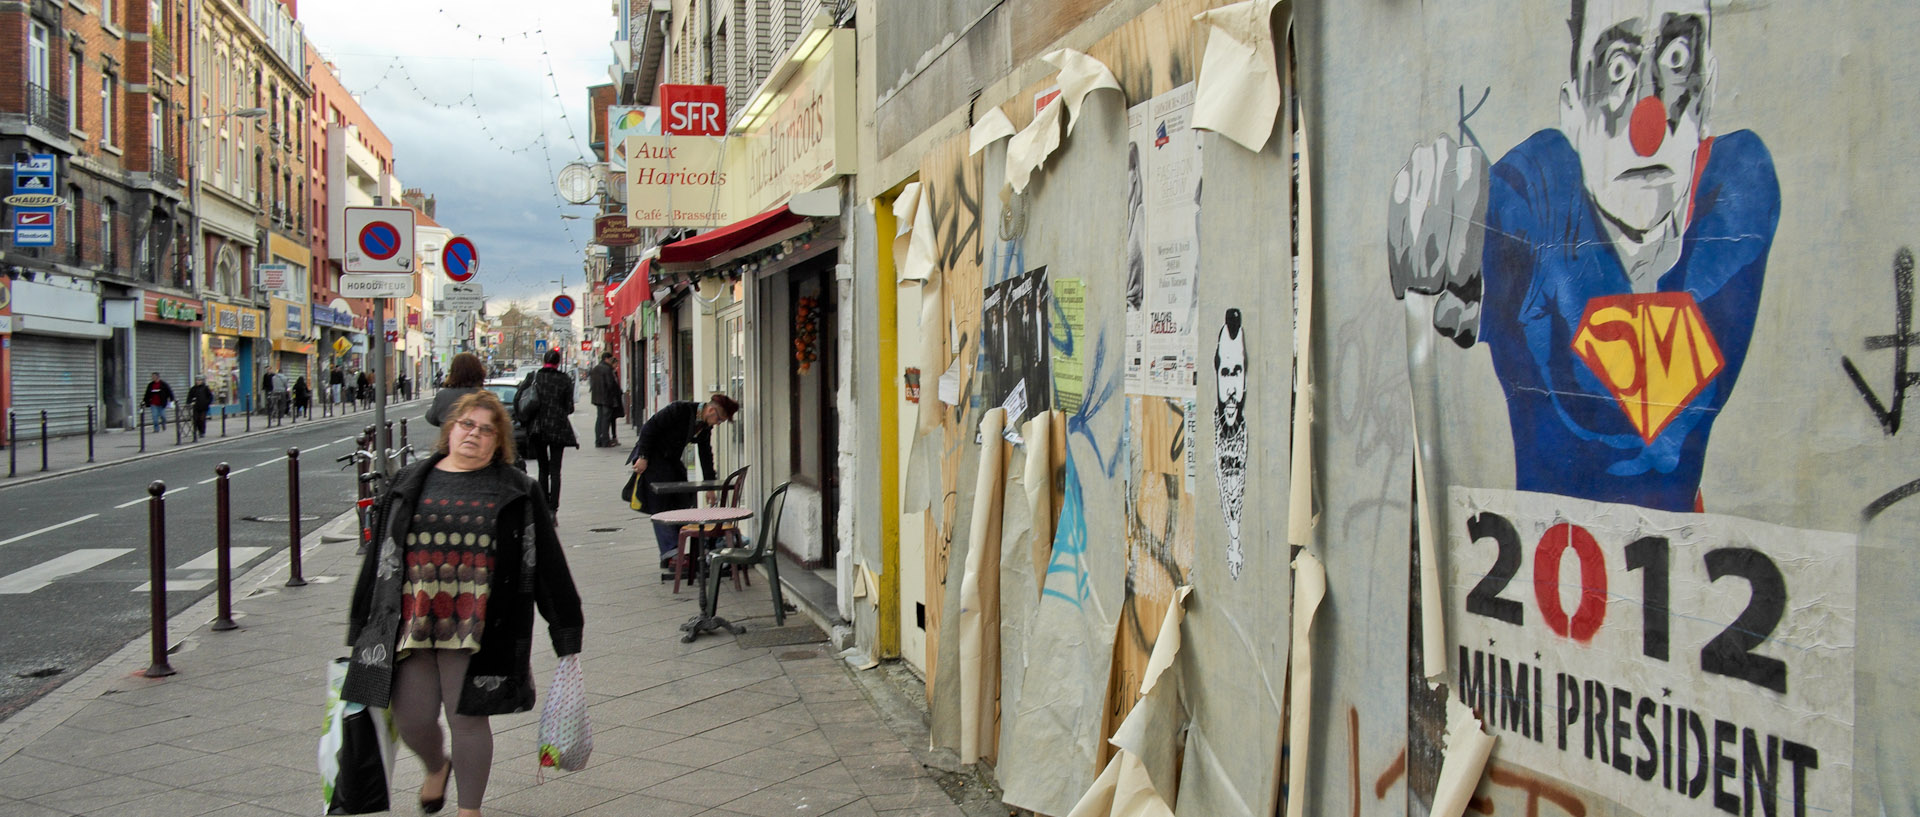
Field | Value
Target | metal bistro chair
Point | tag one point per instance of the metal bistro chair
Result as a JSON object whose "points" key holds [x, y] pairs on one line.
{"points": [[731, 494], [757, 550]]}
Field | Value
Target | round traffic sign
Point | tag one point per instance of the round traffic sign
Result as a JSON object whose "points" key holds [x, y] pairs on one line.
{"points": [[459, 259], [379, 240], [563, 306]]}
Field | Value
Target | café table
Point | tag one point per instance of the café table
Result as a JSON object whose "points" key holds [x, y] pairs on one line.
{"points": [[684, 518], [687, 486]]}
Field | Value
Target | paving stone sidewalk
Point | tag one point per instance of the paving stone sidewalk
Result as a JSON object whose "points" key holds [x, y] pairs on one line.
{"points": [[708, 728]]}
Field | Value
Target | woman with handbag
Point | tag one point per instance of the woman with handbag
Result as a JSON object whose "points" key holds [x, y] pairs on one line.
{"points": [[465, 375], [442, 613]]}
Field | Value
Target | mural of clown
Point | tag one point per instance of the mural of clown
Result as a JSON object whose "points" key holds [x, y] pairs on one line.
{"points": [[1613, 267]]}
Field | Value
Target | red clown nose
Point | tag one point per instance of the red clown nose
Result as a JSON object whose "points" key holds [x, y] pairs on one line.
{"points": [[1649, 126]]}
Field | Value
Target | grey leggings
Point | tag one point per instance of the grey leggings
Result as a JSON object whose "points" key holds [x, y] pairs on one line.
{"points": [[427, 682]]}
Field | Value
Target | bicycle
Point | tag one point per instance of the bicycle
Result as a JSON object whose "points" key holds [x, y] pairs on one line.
{"points": [[373, 483]]}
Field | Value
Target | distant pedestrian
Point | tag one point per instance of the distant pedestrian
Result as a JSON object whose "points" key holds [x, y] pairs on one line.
{"points": [[159, 396], [264, 400], [465, 375], [200, 400], [336, 382], [550, 432], [428, 638], [302, 397], [604, 386], [280, 394], [363, 389], [403, 387], [657, 456]]}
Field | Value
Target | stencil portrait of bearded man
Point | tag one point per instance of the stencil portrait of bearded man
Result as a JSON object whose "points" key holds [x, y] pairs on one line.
{"points": [[1612, 266], [1230, 432]]}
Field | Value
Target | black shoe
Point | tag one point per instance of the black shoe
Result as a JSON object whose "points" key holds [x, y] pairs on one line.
{"points": [[446, 780]]}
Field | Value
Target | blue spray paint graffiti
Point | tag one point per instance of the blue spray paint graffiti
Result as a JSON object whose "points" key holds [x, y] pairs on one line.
{"points": [[1070, 540]]}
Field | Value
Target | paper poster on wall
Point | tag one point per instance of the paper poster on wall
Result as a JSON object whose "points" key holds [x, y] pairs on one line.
{"points": [[1014, 348], [1066, 326], [1163, 211], [1670, 661]]}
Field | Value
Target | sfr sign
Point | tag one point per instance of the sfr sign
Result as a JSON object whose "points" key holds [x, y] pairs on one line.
{"points": [[694, 110]]}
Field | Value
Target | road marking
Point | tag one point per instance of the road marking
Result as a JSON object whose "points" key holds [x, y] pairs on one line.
{"points": [[50, 527], [209, 479], [231, 474], [207, 561], [172, 491], [45, 573], [320, 446], [129, 504], [343, 439], [269, 462]]}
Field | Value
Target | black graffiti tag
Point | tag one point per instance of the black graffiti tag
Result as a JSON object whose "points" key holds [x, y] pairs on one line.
{"points": [[1889, 412]]}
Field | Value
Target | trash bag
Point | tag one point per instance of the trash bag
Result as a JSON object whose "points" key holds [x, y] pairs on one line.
{"points": [[566, 739], [356, 751]]}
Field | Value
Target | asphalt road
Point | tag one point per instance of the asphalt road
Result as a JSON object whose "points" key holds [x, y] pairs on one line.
{"points": [[73, 550]]}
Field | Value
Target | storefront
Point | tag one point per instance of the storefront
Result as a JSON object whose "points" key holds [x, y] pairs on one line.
{"points": [[165, 341], [55, 351], [227, 352], [292, 350]]}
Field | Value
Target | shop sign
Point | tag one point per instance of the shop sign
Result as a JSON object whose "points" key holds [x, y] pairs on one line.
{"points": [[680, 181], [294, 327], [237, 320], [806, 138], [167, 309], [613, 231]]}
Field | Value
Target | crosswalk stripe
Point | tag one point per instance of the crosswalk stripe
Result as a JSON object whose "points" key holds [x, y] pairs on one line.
{"points": [[45, 573], [209, 560], [48, 528]]}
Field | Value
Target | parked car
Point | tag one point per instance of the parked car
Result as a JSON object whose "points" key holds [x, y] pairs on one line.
{"points": [[505, 388]]}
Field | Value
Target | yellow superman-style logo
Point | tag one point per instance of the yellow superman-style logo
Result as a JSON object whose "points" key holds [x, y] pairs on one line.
{"points": [[1653, 351]]}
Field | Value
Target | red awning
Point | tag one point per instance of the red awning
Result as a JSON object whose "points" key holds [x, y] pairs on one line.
{"points": [[738, 234], [628, 295]]}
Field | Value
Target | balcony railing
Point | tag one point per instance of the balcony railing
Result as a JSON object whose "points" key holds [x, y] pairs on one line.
{"points": [[45, 109], [161, 58], [164, 169]]}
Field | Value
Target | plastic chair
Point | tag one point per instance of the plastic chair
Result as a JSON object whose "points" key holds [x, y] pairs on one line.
{"points": [[758, 550], [730, 494]]}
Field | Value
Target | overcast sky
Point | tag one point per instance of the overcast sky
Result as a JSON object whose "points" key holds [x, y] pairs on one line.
{"points": [[485, 101]]}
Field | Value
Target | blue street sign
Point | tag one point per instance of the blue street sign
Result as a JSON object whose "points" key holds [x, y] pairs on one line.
{"points": [[35, 175], [540, 346]]}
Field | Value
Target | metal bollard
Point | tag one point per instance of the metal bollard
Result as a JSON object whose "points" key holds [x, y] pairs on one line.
{"points": [[223, 421], [43, 439], [140, 420], [176, 424], [293, 516], [89, 433], [403, 442], [223, 545], [157, 576], [13, 440], [248, 404]]}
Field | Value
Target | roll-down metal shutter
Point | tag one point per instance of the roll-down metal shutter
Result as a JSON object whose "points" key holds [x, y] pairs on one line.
{"points": [[167, 350], [294, 366], [58, 375]]}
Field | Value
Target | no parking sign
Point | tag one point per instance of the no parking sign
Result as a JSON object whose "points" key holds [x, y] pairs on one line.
{"points": [[379, 239]]}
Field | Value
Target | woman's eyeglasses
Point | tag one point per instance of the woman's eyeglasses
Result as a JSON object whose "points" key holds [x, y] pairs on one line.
{"points": [[472, 427]]}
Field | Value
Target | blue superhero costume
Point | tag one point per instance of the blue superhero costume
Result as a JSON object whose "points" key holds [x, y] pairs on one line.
{"points": [[1547, 258]]}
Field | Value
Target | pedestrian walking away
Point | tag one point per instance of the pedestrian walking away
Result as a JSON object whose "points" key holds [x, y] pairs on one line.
{"points": [[363, 389], [657, 456], [336, 380], [302, 397], [159, 396], [200, 400], [465, 375], [442, 613], [545, 402], [608, 401]]}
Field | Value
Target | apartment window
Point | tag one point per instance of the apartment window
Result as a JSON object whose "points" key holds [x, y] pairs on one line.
{"points": [[73, 90], [108, 83], [106, 233], [39, 57], [72, 220], [110, 12]]}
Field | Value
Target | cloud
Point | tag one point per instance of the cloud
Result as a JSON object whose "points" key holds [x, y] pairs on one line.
{"points": [[485, 101]]}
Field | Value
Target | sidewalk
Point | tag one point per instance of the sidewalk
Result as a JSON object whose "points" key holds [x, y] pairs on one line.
{"points": [[68, 455], [710, 728]]}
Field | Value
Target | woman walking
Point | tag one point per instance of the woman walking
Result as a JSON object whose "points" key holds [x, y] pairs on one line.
{"points": [[465, 375], [442, 613], [549, 432]]}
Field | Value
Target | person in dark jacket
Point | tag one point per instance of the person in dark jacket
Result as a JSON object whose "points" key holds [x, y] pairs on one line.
{"points": [[465, 375], [302, 397], [363, 389], [656, 457], [200, 400], [336, 381], [159, 395], [549, 432], [442, 613], [604, 387]]}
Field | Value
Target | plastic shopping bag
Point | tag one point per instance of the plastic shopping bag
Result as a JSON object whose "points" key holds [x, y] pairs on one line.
{"points": [[566, 739], [356, 751]]}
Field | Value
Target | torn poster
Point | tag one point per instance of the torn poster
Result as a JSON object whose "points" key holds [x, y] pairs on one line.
{"points": [[1163, 212], [1014, 347], [1688, 651]]}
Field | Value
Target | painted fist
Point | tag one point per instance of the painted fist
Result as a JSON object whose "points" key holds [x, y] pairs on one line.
{"points": [[1435, 227]]}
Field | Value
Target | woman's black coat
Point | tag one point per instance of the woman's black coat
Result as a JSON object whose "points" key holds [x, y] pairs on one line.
{"points": [[663, 439]]}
